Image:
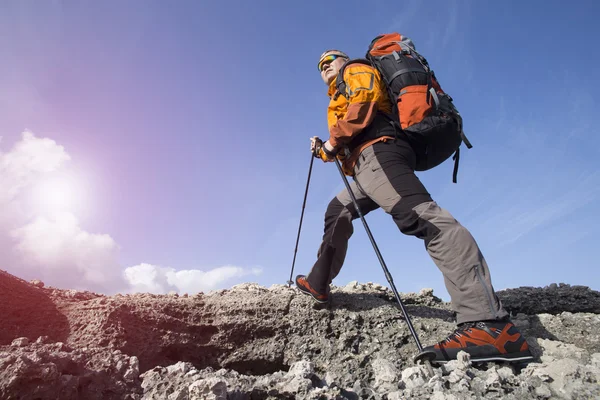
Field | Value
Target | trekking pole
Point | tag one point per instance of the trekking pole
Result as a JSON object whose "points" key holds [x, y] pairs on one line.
{"points": [[425, 356], [312, 158]]}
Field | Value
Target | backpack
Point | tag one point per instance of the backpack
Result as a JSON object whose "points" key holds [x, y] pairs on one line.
{"points": [[423, 111]]}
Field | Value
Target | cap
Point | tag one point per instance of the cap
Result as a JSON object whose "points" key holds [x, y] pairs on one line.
{"points": [[332, 52]]}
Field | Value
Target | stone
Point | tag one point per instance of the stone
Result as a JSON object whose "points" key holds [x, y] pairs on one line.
{"points": [[251, 342], [413, 377], [208, 389], [385, 373], [352, 285], [301, 369], [180, 367], [37, 283], [20, 342]]}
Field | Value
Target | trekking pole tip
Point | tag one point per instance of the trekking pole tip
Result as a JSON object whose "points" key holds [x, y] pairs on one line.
{"points": [[425, 358], [425, 355]]}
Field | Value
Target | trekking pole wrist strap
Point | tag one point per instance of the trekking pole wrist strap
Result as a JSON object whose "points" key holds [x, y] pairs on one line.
{"points": [[329, 149]]}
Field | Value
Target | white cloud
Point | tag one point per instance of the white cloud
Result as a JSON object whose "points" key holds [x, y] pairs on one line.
{"points": [[44, 242], [29, 160], [58, 245], [42, 238], [159, 280], [25, 162]]}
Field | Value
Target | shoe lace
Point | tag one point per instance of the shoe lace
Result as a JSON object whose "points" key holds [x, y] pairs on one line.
{"points": [[458, 331]]}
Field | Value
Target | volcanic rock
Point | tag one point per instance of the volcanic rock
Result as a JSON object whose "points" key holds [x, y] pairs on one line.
{"points": [[252, 342]]}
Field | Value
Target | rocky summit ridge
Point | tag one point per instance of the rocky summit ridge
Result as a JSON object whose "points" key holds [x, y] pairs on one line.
{"points": [[252, 342]]}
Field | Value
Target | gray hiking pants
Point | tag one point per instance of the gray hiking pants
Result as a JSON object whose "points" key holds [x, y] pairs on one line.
{"points": [[384, 177]]}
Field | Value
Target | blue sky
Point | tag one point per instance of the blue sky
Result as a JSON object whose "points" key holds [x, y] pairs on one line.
{"points": [[180, 132]]}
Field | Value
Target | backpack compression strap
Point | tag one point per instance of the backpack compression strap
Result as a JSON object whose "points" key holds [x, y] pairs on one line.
{"points": [[340, 85], [456, 156]]}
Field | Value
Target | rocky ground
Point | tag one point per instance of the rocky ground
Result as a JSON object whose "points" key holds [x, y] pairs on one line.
{"points": [[252, 342]]}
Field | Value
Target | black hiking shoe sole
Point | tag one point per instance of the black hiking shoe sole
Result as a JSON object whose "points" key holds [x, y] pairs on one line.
{"points": [[517, 358]]}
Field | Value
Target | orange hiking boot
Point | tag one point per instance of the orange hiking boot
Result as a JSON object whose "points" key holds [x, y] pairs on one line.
{"points": [[484, 341], [305, 288]]}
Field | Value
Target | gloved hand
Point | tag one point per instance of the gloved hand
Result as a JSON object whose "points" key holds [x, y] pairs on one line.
{"points": [[315, 145], [321, 150]]}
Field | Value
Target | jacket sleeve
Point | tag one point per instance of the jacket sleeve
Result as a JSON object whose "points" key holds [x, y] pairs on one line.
{"points": [[364, 88]]}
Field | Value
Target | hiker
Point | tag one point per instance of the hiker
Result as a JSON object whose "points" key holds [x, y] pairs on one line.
{"points": [[381, 159]]}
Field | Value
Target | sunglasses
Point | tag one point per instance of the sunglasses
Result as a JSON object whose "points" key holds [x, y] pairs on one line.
{"points": [[326, 60]]}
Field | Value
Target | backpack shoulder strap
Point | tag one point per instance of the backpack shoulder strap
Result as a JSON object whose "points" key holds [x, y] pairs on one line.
{"points": [[340, 84]]}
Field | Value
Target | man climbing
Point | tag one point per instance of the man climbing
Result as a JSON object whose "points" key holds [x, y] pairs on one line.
{"points": [[382, 161]]}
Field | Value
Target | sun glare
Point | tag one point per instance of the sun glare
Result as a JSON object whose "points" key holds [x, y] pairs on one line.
{"points": [[62, 193], [57, 195]]}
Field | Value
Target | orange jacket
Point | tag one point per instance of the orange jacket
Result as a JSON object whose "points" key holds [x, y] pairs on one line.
{"points": [[347, 117]]}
